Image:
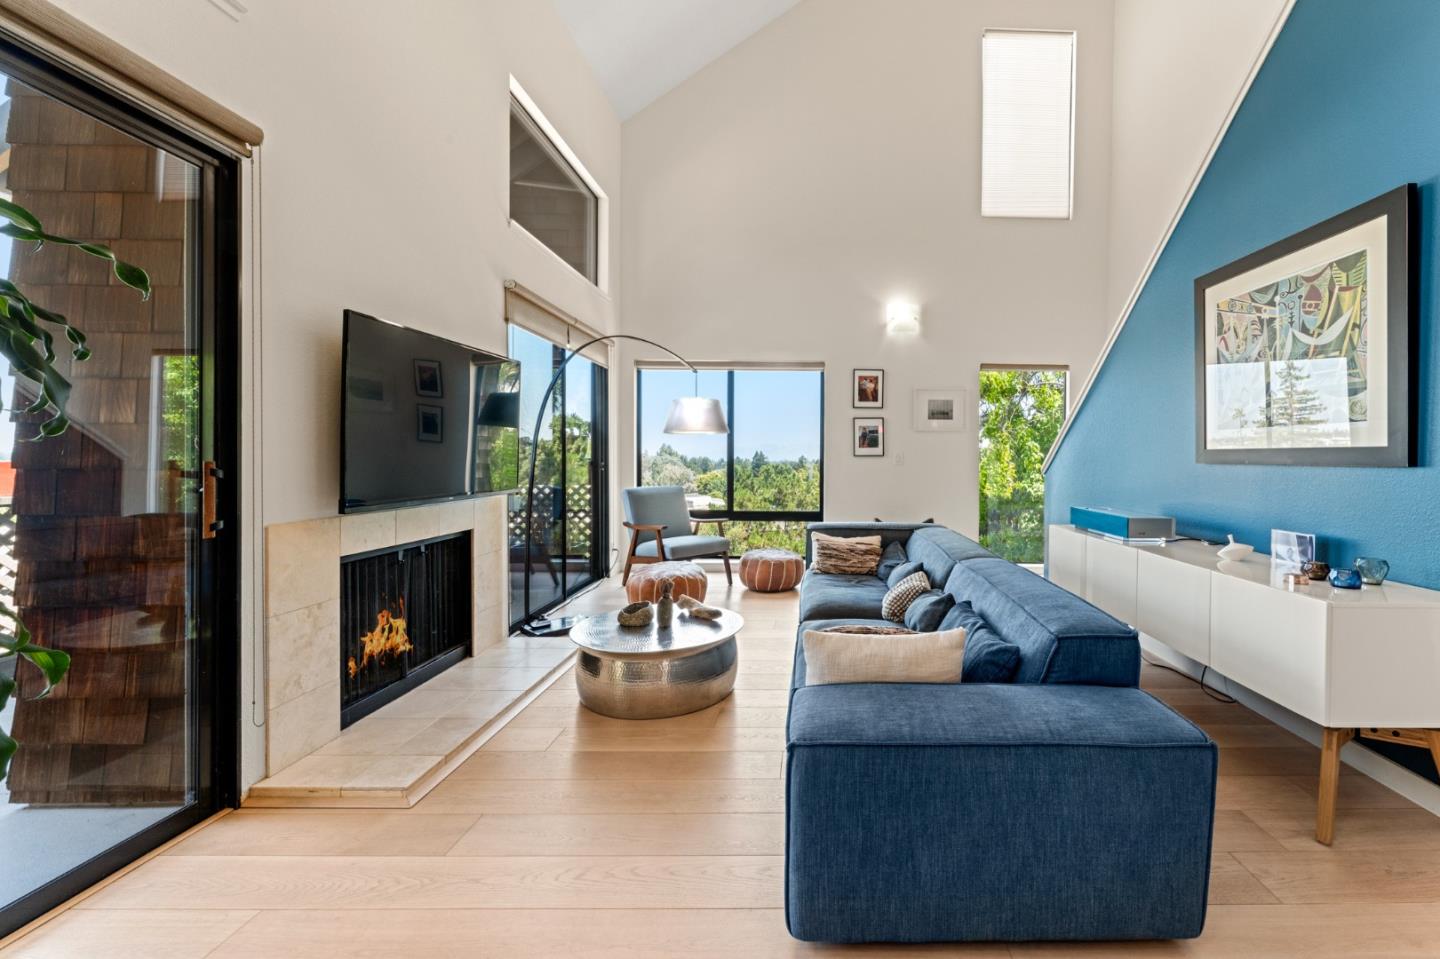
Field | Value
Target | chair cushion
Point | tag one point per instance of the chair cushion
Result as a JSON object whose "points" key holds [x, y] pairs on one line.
{"points": [[926, 612], [846, 554], [988, 658], [899, 597], [684, 547], [657, 506], [903, 571], [840, 596], [891, 557], [838, 658]]}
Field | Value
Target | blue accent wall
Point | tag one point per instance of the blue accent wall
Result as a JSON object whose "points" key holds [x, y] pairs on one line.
{"points": [[1346, 107]]}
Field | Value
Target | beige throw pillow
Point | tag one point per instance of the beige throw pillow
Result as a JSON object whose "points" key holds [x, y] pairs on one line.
{"points": [[832, 658], [856, 555]]}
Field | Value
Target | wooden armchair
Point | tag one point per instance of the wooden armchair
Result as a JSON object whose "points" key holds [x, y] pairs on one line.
{"points": [[662, 529]]}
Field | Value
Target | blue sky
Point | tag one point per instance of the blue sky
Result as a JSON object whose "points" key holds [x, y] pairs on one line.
{"points": [[776, 412]]}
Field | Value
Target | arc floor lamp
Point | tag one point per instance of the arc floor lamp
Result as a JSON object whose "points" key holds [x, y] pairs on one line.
{"points": [[688, 415]]}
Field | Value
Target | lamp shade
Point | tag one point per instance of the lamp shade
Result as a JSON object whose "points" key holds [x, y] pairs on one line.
{"points": [[696, 414]]}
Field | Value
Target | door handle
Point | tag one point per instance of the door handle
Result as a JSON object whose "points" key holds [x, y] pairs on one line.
{"points": [[210, 474]]}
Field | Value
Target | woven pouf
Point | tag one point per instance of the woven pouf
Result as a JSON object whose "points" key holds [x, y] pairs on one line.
{"points": [[771, 570], [645, 581]]}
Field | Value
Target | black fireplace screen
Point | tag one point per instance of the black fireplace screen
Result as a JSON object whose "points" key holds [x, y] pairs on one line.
{"points": [[404, 617]]}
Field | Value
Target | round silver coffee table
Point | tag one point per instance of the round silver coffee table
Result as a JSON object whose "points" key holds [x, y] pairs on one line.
{"points": [[645, 672]]}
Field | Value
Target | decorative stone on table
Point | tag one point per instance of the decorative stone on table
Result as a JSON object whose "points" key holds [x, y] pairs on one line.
{"points": [[686, 579], [636, 614], [693, 607], [771, 570]]}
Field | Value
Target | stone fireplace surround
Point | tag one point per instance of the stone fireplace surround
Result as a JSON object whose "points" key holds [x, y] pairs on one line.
{"points": [[302, 608]]}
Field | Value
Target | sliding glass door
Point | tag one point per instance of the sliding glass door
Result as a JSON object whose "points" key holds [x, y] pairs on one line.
{"points": [[560, 547], [108, 552]]}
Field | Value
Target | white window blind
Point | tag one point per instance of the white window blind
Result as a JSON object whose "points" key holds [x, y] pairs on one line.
{"points": [[1027, 149]]}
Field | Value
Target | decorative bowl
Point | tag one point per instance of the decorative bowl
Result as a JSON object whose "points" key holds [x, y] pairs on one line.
{"points": [[1234, 552], [1316, 569], [636, 614], [1344, 579], [1371, 569]]}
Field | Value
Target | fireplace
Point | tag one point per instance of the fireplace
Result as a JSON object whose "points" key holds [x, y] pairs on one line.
{"points": [[404, 618]]}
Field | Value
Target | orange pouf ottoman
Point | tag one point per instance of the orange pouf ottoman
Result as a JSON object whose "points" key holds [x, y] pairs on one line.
{"points": [[645, 581], [771, 570]]}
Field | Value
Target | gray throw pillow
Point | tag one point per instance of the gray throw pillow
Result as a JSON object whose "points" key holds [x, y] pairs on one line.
{"points": [[904, 571], [925, 613], [893, 556]]}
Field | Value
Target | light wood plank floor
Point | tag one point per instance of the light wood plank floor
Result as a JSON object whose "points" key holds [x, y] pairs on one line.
{"points": [[570, 834]]}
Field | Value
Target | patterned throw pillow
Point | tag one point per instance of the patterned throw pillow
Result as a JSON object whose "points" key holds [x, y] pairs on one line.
{"points": [[902, 594], [866, 629], [856, 555]]}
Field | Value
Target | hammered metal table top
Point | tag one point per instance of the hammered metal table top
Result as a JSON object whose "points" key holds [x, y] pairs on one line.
{"points": [[603, 636]]}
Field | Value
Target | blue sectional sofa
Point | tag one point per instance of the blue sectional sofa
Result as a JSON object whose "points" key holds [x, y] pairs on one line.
{"points": [[1066, 804]]}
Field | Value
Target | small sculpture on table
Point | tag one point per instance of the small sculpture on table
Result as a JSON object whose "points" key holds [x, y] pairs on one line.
{"points": [[665, 611], [698, 610], [636, 614]]}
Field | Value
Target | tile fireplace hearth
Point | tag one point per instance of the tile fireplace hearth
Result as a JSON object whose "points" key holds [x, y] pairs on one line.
{"points": [[392, 756]]}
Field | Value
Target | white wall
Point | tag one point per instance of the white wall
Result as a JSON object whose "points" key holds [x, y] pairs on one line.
{"points": [[1179, 67], [385, 187], [775, 200]]}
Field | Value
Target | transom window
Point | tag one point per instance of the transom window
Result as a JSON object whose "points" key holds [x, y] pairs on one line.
{"points": [[765, 474], [548, 196]]}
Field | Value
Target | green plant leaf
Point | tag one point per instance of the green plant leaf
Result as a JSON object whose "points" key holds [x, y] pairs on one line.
{"points": [[20, 216], [54, 663], [7, 749], [7, 689]]}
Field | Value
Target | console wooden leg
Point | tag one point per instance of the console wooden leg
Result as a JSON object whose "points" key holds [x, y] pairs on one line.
{"points": [[1434, 736], [1329, 782]]}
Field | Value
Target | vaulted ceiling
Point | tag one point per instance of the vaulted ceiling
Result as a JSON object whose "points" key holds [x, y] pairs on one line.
{"points": [[642, 49]]}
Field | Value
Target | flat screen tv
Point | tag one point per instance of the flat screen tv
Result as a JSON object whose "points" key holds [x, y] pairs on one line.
{"points": [[424, 419]]}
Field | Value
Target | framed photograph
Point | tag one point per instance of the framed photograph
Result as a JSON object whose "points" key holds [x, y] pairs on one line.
{"points": [[867, 389], [1304, 350], [868, 436], [939, 411], [429, 423], [428, 381], [1290, 551]]}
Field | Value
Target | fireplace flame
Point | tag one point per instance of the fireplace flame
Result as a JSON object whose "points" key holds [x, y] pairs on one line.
{"points": [[387, 640]]}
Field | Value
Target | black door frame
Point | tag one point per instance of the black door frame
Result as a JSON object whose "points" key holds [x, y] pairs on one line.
{"points": [[599, 486], [215, 670]]}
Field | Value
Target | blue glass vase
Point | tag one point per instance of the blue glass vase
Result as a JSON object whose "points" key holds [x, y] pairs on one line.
{"points": [[1344, 579], [1372, 570]]}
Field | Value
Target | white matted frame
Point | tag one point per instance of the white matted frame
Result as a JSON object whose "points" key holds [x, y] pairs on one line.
{"points": [[939, 411]]}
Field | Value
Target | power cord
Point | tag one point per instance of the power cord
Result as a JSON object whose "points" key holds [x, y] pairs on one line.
{"points": [[1214, 694]]}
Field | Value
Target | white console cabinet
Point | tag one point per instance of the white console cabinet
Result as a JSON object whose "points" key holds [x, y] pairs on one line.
{"points": [[1357, 662]]}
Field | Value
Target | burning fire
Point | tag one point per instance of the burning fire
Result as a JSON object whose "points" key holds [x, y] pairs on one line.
{"points": [[387, 639]]}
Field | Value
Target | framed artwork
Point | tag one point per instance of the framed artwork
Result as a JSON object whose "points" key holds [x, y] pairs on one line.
{"points": [[868, 436], [939, 411], [1304, 350], [867, 389], [429, 423], [1290, 551], [427, 378]]}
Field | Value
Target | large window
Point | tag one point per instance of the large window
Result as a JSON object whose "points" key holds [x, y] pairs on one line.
{"points": [[764, 475], [1021, 412], [549, 197], [1027, 133]]}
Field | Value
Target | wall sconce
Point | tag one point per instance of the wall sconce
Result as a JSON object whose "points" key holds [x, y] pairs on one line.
{"points": [[902, 317]]}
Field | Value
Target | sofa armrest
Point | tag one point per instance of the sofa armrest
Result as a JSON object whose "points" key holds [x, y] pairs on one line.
{"points": [[987, 812], [888, 532]]}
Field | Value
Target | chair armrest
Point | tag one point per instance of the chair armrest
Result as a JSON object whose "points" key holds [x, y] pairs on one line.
{"points": [[697, 520], [645, 527]]}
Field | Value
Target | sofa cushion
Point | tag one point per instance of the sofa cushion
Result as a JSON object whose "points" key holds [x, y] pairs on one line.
{"points": [[846, 658], [904, 571], [1062, 638], [938, 550], [840, 596], [899, 597], [855, 555], [892, 556], [988, 658], [926, 612]]}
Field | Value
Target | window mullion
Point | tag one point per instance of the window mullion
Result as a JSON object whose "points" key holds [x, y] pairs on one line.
{"points": [[730, 443]]}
